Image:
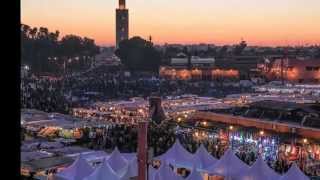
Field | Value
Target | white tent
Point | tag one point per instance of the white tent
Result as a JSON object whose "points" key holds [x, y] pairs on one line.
{"points": [[156, 177], [229, 166], [177, 156], [117, 162], [259, 171], [194, 175], [131, 170], [129, 156], [166, 173], [202, 159], [103, 172], [98, 156], [294, 173], [151, 172], [77, 171]]}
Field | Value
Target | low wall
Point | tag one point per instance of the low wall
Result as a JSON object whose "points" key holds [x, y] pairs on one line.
{"points": [[260, 124]]}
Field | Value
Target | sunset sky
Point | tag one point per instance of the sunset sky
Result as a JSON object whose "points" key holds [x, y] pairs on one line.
{"points": [[259, 22]]}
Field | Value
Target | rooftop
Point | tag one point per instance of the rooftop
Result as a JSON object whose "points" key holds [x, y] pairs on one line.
{"points": [[283, 106], [47, 163]]}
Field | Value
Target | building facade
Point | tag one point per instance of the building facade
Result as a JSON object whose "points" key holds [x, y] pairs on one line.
{"points": [[196, 68], [122, 22], [243, 64], [295, 70]]}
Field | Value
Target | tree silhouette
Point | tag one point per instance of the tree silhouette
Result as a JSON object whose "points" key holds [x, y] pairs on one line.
{"points": [[44, 52], [138, 54], [239, 48]]}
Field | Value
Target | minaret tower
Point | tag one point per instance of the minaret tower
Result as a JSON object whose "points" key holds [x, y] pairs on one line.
{"points": [[122, 22]]}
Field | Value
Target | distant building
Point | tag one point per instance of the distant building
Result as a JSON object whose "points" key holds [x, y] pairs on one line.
{"points": [[245, 65], [195, 68], [195, 61], [122, 22], [295, 70]]}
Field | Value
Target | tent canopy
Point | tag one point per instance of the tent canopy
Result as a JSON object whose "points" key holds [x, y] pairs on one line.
{"points": [[131, 170], [77, 171], [194, 175], [151, 172], [229, 165], [259, 171], [202, 159], [103, 172], [117, 162], [129, 156], [166, 173], [294, 173], [177, 156]]}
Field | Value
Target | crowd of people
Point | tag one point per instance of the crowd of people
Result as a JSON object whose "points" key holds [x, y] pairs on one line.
{"points": [[60, 95], [44, 94], [162, 137], [56, 95], [117, 85]]}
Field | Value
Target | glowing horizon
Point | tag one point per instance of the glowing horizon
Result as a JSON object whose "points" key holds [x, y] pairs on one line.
{"points": [[264, 23]]}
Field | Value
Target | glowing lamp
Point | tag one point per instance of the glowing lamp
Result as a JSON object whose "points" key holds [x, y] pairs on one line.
{"points": [[305, 140], [261, 133]]}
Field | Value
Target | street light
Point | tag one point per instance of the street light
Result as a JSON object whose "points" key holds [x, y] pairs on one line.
{"points": [[230, 129], [305, 140], [196, 134], [26, 67], [261, 133], [261, 140], [179, 119]]}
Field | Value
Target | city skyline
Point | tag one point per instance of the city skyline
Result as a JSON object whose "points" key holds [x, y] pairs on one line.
{"points": [[263, 23]]}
